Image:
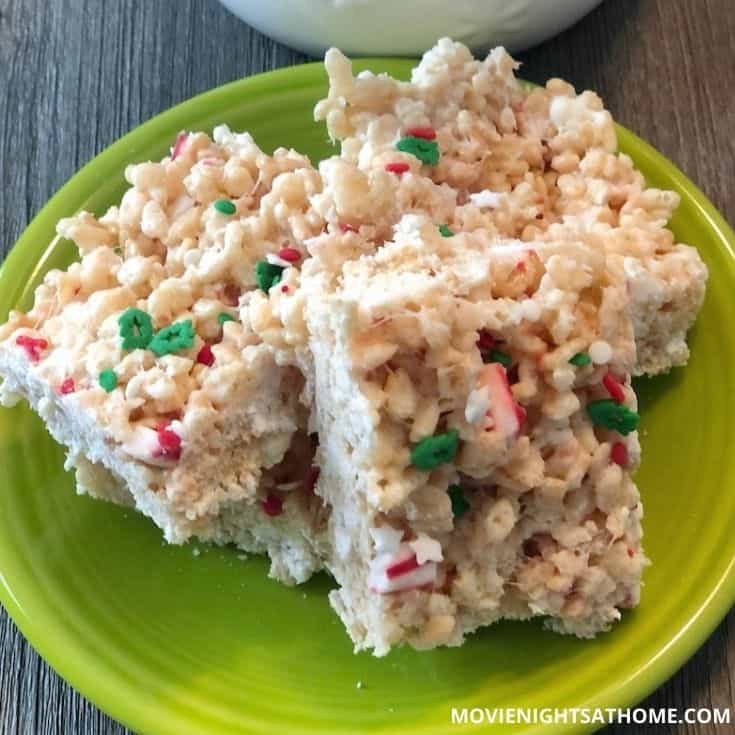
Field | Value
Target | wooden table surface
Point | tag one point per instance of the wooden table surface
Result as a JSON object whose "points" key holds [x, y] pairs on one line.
{"points": [[77, 74]]}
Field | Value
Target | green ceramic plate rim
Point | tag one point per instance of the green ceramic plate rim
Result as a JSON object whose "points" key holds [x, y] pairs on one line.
{"points": [[59, 653]]}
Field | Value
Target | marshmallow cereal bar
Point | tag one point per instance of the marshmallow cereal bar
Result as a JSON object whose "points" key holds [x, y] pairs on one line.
{"points": [[137, 359], [467, 144], [477, 430]]}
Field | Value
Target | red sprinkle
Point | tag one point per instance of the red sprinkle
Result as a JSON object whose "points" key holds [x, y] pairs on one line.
{"points": [[425, 133], [290, 255], [619, 454], [402, 567], [273, 505], [32, 346], [614, 388], [284, 288], [348, 228], [485, 340], [397, 167], [631, 553], [181, 139], [67, 387], [169, 442], [205, 356], [312, 478]]}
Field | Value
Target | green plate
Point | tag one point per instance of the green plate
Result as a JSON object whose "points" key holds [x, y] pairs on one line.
{"points": [[170, 641]]}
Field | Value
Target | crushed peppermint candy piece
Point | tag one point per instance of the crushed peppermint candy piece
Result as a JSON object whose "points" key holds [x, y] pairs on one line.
{"points": [[67, 387], [169, 442], [348, 228], [478, 404], [163, 443], [400, 571], [399, 568], [507, 414], [183, 204], [272, 505], [33, 346], [181, 139], [143, 443]]}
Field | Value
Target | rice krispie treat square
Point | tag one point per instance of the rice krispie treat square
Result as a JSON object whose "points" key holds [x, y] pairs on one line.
{"points": [[477, 437], [465, 143], [138, 361]]}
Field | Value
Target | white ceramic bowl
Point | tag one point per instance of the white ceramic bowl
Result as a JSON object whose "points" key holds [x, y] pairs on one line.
{"points": [[408, 27]]}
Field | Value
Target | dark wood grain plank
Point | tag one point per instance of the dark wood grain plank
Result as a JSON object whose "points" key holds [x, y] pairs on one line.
{"points": [[77, 74]]}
